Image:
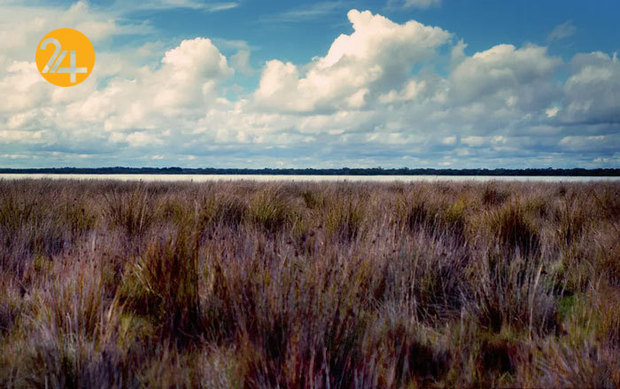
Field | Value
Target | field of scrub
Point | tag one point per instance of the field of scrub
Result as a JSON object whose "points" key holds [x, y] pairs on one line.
{"points": [[322, 285]]}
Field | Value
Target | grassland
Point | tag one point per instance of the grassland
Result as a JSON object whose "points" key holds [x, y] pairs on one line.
{"points": [[240, 284]]}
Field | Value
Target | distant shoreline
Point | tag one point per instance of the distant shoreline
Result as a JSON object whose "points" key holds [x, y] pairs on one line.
{"points": [[575, 172]]}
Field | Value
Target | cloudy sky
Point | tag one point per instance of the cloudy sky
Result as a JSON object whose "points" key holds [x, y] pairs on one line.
{"points": [[254, 83]]}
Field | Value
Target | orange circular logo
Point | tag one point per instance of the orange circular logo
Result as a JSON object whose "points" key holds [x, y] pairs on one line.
{"points": [[65, 57]]}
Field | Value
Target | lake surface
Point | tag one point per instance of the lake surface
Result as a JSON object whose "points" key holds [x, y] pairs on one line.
{"points": [[294, 178]]}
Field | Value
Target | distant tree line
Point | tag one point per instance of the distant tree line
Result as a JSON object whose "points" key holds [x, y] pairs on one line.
{"points": [[378, 171]]}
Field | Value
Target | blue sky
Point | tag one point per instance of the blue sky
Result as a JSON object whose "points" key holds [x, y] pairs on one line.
{"points": [[418, 83]]}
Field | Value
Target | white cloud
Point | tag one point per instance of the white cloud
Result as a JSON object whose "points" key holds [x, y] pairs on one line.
{"points": [[457, 54], [449, 141], [504, 71], [552, 112], [474, 141], [134, 5], [562, 31], [25, 86], [410, 91], [314, 11], [184, 86], [143, 139], [17, 136], [591, 143], [592, 92], [376, 97], [377, 56], [422, 3], [241, 62], [22, 26]]}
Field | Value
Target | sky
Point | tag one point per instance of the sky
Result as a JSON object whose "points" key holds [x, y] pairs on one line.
{"points": [[249, 83]]}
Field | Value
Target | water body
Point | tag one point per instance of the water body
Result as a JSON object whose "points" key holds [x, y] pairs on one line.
{"points": [[297, 178]]}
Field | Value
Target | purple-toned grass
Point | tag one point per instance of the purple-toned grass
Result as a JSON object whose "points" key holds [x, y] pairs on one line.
{"points": [[327, 285]]}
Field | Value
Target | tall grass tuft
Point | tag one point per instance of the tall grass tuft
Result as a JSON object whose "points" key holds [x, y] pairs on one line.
{"points": [[162, 285], [515, 293], [269, 210], [514, 230], [344, 218], [133, 211]]}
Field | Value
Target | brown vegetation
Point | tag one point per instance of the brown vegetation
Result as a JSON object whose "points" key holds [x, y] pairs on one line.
{"points": [[242, 284]]}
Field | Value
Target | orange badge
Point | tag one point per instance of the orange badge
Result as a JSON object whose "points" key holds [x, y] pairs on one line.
{"points": [[65, 57]]}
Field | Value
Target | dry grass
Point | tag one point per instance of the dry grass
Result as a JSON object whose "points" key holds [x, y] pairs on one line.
{"points": [[110, 284]]}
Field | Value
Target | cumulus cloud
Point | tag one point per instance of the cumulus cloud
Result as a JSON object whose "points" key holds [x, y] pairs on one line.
{"points": [[182, 88], [592, 92], [135, 111], [376, 97], [376, 57], [504, 72]]}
